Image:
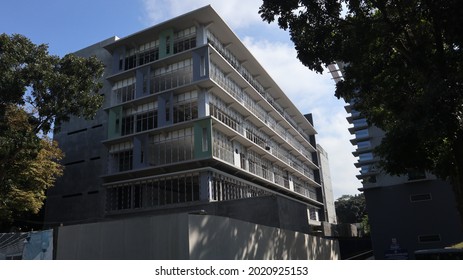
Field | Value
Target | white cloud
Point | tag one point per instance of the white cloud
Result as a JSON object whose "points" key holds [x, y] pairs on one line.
{"points": [[310, 92], [237, 14], [334, 137], [296, 80]]}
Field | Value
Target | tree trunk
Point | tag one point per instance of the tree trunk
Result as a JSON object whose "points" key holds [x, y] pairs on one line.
{"points": [[457, 189], [457, 178]]}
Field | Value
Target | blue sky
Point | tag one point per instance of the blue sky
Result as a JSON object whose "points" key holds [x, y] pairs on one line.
{"points": [[67, 26]]}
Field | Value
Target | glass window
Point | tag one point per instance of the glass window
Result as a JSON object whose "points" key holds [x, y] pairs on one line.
{"points": [[121, 62], [365, 169], [366, 156], [362, 133], [172, 76], [185, 106], [167, 44], [123, 160], [355, 113], [124, 90], [167, 106], [123, 196], [171, 147], [153, 192], [127, 125], [147, 121], [121, 156], [359, 122], [363, 144], [148, 56], [130, 62]]}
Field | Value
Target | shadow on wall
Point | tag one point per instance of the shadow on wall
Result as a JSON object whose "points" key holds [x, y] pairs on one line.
{"points": [[188, 236], [213, 237]]}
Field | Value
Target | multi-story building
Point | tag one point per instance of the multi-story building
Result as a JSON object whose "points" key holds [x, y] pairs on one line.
{"points": [[191, 123], [406, 213]]}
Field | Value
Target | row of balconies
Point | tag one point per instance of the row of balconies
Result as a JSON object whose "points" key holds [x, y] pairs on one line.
{"points": [[251, 132], [184, 188], [168, 81], [242, 98], [251, 105], [156, 153], [260, 161], [234, 62], [366, 160]]}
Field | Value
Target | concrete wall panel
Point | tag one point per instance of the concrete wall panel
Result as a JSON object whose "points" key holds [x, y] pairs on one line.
{"points": [[183, 236], [213, 237], [156, 237]]}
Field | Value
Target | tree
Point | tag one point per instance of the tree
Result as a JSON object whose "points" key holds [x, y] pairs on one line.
{"points": [[37, 91], [350, 209], [403, 64], [29, 167], [53, 88]]}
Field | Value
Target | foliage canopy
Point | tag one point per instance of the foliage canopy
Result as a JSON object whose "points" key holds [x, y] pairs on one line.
{"points": [[350, 209], [37, 91], [403, 70]]}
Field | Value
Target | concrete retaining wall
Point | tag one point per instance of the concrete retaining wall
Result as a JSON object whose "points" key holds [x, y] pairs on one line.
{"points": [[184, 236]]}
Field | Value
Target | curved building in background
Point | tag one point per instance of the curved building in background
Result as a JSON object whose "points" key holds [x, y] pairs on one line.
{"points": [[406, 213]]}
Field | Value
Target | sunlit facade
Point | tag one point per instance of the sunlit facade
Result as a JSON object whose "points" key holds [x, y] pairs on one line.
{"points": [[190, 119]]}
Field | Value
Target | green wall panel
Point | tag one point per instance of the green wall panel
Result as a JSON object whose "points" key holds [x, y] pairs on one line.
{"points": [[114, 122], [166, 43], [203, 139]]}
